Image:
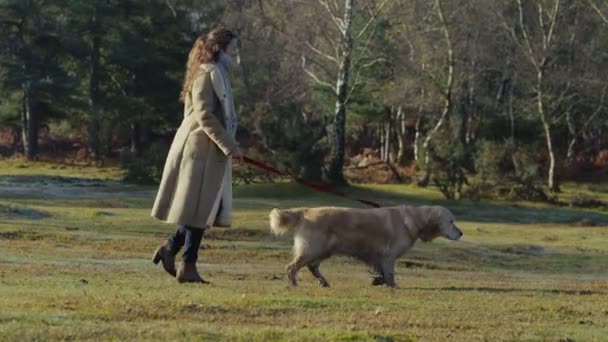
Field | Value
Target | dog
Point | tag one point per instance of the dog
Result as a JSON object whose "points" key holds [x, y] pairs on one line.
{"points": [[375, 236]]}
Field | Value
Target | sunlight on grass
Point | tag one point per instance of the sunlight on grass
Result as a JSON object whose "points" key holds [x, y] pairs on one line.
{"points": [[79, 268], [33, 168]]}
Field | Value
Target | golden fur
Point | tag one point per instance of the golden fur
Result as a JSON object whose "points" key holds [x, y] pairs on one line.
{"points": [[375, 236]]}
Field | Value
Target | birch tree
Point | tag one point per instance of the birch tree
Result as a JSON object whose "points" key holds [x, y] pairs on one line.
{"points": [[445, 91], [347, 66], [536, 39]]}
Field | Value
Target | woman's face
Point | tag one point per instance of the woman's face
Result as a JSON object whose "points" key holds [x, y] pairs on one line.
{"points": [[231, 48]]}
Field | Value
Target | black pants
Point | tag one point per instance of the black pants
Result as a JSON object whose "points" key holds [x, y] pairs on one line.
{"points": [[188, 237]]}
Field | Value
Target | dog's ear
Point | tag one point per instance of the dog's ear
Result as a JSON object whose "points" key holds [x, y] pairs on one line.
{"points": [[428, 233], [430, 227], [430, 215]]}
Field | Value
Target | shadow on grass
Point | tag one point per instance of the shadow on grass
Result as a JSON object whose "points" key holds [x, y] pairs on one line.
{"points": [[511, 290], [57, 188], [284, 195], [46, 180], [488, 212]]}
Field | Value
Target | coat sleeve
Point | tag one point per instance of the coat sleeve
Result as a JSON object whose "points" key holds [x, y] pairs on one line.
{"points": [[203, 100]]}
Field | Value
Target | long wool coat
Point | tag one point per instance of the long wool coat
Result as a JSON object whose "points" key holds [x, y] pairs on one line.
{"points": [[196, 186]]}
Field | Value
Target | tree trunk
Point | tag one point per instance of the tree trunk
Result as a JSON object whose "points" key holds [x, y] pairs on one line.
{"points": [[417, 138], [381, 137], [553, 186], [135, 141], [389, 141], [29, 120], [573, 137], [512, 128], [401, 135], [470, 117], [15, 144], [337, 156], [447, 98], [418, 126], [387, 138], [511, 116], [93, 124]]}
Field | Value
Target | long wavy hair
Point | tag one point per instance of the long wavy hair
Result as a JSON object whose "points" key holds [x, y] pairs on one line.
{"points": [[206, 49]]}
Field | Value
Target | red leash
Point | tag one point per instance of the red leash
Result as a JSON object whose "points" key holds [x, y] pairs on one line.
{"points": [[317, 187]]}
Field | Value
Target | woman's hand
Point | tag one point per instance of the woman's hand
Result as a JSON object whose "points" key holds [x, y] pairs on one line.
{"points": [[237, 154]]}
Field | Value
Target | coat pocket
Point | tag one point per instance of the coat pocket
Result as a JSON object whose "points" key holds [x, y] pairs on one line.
{"points": [[197, 146]]}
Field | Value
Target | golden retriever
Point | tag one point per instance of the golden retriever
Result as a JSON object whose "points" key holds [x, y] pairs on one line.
{"points": [[376, 236]]}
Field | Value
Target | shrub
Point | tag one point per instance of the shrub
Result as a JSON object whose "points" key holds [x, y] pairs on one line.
{"points": [[146, 169], [448, 171]]}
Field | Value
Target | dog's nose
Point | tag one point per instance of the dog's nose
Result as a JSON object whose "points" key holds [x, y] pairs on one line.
{"points": [[459, 233]]}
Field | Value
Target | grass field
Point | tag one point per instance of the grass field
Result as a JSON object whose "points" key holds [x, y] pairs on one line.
{"points": [[75, 264]]}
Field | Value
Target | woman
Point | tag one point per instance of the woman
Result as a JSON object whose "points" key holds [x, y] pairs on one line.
{"points": [[196, 188]]}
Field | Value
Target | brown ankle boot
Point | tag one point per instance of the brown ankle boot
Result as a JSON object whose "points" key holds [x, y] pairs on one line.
{"points": [[187, 273], [163, 254]]}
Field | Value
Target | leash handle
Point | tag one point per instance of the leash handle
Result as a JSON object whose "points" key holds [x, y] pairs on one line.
{"points": [[318, 187]]}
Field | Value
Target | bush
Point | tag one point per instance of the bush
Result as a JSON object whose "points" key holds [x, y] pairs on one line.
{"points": [[507, 171], [293, 143], [146, 169], [524, 192], [476, 191], [448, 171], [494, 161], [583, 200]]}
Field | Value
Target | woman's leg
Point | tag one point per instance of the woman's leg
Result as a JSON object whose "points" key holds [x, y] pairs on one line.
{"points": [[193, 237], [177, 240], [167, 252], [187, 272]]}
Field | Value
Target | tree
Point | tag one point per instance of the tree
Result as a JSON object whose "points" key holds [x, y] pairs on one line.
{"points": [[30, 44], [130, 53], [445, 90], [537, 40], [347, 67]]}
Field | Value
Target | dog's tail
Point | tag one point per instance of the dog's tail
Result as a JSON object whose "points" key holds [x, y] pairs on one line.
{"points": [[284, 221]]}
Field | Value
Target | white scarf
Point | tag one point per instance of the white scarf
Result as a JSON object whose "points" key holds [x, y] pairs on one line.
{"points": [[225, 92]]}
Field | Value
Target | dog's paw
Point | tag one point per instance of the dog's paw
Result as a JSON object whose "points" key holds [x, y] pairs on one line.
{"points": [[378, 281]]}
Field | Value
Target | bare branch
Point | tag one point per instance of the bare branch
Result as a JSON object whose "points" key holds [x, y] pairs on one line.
{"points": [[122, 90], [553, 20], [315, 77], [513, 35], [371, 19], [322, 54], [356, 83], [597, 110], [541, 22], [171, 7], [363, 49], [372, 63], [336, 6], [525, 36], [597, 9], [358, 75], [339, 23]]}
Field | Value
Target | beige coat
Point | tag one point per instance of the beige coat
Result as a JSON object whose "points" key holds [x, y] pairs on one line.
{"points": [[197, 174]]}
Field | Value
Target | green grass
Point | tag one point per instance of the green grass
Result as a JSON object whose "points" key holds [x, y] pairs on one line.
{"points": [[80, 269], [15, 167]]}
